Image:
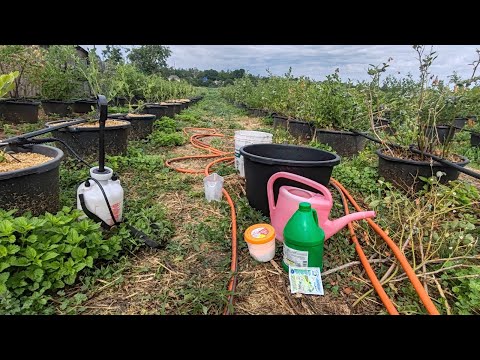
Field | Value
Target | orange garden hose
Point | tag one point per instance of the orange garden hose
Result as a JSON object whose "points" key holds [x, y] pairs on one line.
{"points": [[214, 153], [363, 259], [427, 302], [222, 156]]}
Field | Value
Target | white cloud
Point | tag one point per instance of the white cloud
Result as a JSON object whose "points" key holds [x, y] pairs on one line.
{"points": [[316, 61]]}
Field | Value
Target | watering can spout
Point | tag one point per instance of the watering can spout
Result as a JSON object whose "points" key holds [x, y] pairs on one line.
{"points": [[332, 227]]}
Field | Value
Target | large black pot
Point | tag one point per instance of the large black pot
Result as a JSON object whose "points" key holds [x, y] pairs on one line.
{"points": [[83, 106], [280, 121], [440, 133], [474, 139], [61, 108], [257, 112], [261, 161], [84, 140], [36, 188], [177, 107], [156, 109], [404, 173], [142, 125], [19, 111], [170, 110], [344, 143], [459, 123], [300, 130]]}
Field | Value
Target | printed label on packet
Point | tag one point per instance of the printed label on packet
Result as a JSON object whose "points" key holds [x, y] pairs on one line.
{"points": [[305, 280]]}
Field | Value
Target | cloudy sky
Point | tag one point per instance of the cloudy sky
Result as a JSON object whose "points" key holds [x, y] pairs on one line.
{"points": [[316, 61]]}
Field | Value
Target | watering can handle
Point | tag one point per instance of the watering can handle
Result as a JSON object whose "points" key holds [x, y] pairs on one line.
{"points": [[295, 177]]}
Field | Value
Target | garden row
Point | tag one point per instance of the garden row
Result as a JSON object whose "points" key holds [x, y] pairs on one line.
{"points": [[396, 113], [63, 82]]}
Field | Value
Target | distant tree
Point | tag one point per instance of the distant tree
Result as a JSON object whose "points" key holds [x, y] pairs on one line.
{"points": [[150, 59], [113, 54]]}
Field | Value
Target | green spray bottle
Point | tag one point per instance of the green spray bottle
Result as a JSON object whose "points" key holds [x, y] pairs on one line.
{"points": [[303, 239]]}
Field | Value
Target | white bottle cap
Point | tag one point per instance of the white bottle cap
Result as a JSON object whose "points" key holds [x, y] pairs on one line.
{"points": [[107, 175]]}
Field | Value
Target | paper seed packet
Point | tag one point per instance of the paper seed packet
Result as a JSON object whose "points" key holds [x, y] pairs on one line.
{"points": [[305, 280]]}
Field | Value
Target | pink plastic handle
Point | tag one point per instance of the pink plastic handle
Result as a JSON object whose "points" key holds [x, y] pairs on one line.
{"points": [[295, 177]]}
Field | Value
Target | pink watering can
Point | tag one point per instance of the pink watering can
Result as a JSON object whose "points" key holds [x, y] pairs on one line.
{"points": [[289, 197]]}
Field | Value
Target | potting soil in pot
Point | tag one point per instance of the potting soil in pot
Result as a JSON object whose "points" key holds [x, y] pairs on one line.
{"points": [[108, 123], [25, 160]]}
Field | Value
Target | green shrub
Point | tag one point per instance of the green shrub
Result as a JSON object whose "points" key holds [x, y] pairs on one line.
{"points": [[167, 139], [41, 254]]}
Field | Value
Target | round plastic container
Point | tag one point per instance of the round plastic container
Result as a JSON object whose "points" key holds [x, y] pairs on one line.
{"points": [[248, 137], [260, 239]]}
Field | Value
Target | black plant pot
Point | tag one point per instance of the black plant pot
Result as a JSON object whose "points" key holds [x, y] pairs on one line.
{"points": [[257, 112], [83, 106], [36, 188], [171, 109], [19, 111], [300, 130], [61, 108], [344, 143], [441, 133], [404, 173], [84, 140], [474, 139], [459, 123], [279, 121], [142, 126], [261, 161], [176, 108], [155, 109]]}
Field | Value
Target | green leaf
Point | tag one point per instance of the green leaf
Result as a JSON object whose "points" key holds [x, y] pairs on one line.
{"points": [[6, 228], [4, 277], [32, 238], [89, 261], [3, 251], [20, 261], [3, 288], [79, 266], [4, 265], [38, 275], [30, 253], [79, 253], [70, 279], [13, 249], [49, 255]]}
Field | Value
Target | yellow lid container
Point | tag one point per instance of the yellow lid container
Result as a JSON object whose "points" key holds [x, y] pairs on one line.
{"points": [[259, 234]]}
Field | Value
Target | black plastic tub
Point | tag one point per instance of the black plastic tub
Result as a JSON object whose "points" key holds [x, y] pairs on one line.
{"points": [[440, 133], [60, 108], [474, 139], [142, 125], [257, 112], [459, 123], [344, 143], [280, 121], [19, 111], [83, 106], [404, 173], [177, 107], [300, 130], [36, 188], [84, 140], [170, 110], [155, 109], [261, 161]]}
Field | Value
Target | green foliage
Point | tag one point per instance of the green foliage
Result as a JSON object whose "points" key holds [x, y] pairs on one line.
{"points": [[40, 255], [28, 60], [465, 284], [7, 82], [167, 139], [150, 59], [60, 76]]}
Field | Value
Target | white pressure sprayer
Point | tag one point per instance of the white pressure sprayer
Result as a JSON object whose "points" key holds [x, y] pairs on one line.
{"points": [[101, 196]]}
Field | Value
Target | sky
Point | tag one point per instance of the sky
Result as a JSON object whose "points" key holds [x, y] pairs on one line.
{"points": [[317, 61]]}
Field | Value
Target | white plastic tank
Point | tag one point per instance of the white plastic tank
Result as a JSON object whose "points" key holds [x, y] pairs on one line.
{"points": [[248, 137], [94, 199]]}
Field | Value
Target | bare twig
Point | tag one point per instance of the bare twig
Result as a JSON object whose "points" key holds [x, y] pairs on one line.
{"points": [[353, 263], [442, 294]]}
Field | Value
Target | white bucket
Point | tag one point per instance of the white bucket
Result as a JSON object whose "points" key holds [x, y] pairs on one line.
{"points": [[248, 137]]}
